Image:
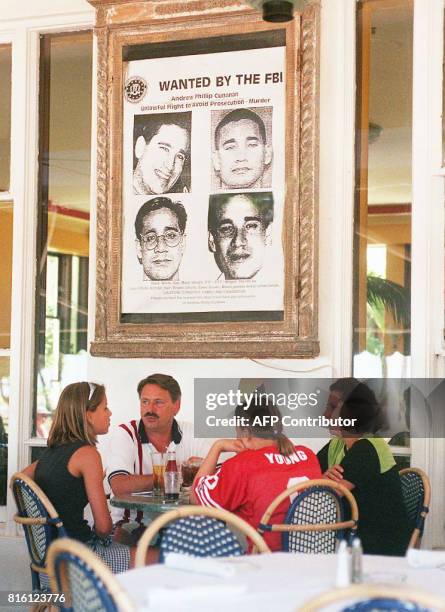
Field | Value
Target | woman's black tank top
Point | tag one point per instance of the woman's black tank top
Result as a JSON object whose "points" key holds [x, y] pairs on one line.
{"points": [[66, 492]]}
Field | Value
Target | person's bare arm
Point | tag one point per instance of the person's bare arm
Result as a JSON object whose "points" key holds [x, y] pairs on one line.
{"points": [[348, 485], [335, 473], [124, 484], [30, 470], [86, 462], [209, 464]]}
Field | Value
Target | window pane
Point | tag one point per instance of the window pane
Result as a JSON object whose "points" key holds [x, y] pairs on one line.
{"points": [[65, 149], [5, 116], [6, 217], [382, 254], [382, 239], [4, 411]]}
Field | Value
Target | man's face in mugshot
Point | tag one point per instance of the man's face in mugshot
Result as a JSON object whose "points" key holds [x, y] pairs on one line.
{"points": [[239, 239], [161, 246], [162, 159], [241, 155]]}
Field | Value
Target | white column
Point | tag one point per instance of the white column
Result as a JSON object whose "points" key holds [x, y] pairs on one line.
{"points": [[427, 305], [337, 125], [24, 130], [25, 34]]}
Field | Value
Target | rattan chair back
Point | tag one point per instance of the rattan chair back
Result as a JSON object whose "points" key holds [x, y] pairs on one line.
{"points": [[87, 583], [416, 491], [40, 523], [316, 518], [198, 531], [376, 598]]}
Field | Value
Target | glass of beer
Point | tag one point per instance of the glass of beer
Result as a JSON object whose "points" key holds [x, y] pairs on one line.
{"points": [[157, 460]]}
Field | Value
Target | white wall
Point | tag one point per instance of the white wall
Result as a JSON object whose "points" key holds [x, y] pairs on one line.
{"points": [[31, 9]]}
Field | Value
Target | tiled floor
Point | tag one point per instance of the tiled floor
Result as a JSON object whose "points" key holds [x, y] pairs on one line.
{"points": [[14, 565]]}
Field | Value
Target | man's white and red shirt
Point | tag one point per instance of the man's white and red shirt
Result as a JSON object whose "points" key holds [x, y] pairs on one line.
{"points": [[130, 449], [247, 483]]}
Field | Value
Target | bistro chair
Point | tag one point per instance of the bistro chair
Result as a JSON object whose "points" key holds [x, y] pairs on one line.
{"points": [[85, 581], [199, 532], [376, 598], [416, 491], [40, 523], [316, 517]]}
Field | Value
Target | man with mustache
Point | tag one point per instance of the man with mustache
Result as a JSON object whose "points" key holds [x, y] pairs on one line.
{"points": [[239, 226], [162, 153], [129, 468], [241, 154]]}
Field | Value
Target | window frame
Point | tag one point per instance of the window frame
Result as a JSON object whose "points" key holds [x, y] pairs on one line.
{"points": [[6, 38], [24, 36]]}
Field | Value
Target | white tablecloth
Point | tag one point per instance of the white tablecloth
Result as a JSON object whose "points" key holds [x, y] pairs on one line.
{"points": [[279, 581]]}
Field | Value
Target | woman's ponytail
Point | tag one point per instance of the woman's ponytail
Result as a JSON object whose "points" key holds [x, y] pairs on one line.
{"points": [[284, 445]]}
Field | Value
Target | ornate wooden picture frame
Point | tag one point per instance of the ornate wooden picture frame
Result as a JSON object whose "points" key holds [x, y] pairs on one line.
{"points": [[207, 189]]}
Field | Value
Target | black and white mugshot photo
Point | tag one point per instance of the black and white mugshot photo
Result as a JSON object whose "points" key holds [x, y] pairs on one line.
{"points": [[242, 148], [160, 238], [161, 153], [239, 232], [203, 185]]}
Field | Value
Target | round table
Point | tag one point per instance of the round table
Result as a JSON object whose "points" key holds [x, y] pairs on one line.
{"points": [[150, 505], [274, 581]]}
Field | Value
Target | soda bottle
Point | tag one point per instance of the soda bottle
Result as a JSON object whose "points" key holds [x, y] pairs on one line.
{"points": [[171, 478], [171, 465]]}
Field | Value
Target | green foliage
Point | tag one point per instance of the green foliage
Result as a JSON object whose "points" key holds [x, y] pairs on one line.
{"points": [[384, 294]]}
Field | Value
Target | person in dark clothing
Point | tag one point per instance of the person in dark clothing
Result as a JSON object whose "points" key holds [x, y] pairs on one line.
{"points": [[364, 464], [70, 471]]}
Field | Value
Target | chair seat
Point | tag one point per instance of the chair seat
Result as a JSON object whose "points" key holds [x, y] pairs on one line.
{"points": [[199, 536], [88, 584], [199, 531], [416, 492], [385, 605], [315, 520], [40, 523]]}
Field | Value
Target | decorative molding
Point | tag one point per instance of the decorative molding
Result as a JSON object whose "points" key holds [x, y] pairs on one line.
{"points": [[123, 23], [309, 156], [102, 180]]}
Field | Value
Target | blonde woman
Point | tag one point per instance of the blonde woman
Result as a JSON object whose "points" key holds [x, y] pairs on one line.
{"points": [[70, 471]]}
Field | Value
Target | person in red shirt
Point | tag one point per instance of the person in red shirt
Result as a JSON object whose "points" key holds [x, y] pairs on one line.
{"points": [[266, 463]]}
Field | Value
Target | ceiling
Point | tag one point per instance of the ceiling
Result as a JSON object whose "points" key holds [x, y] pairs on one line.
{"points": [[70, 120], [390, 103]]}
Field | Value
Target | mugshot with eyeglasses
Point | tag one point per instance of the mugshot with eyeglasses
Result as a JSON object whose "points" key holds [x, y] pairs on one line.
{"points": [[242, 155], [161, 160], [160, 238], [239, 232]]}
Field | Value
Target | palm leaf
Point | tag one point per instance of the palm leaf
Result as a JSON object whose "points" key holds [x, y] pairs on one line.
{"points": [[393, 297]]}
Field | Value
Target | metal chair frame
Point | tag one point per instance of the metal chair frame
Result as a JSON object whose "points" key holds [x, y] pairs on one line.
{"points": [[67, 551], [423, 504], [49, 520], [185, 511], [365, 592], [303, 490]]}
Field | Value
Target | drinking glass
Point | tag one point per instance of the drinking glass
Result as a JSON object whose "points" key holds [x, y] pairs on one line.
{"points": [[172, 484], [189, 470], [157, 460]]}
